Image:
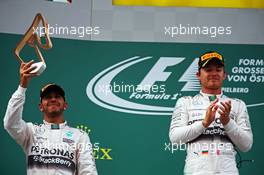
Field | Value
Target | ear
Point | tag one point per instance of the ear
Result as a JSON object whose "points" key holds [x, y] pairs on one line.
{"points": [[40, 107], [65, 106], [198, 75], [225, 75]]}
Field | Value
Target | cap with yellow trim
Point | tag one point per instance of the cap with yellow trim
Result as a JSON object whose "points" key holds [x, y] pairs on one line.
{"points": [[208, 56], [51, 87]]}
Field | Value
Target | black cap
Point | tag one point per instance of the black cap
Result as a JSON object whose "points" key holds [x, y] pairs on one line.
{"points": [[208, 56], [52, 87]]}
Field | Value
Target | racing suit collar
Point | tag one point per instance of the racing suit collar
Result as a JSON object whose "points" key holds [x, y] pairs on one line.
{"points": [[54, 125], [209, 95]]}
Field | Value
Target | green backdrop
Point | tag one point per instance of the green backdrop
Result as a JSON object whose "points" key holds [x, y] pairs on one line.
{"points": [[131, 142]]}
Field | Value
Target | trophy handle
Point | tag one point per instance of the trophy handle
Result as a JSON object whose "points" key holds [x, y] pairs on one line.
{"points": [[31, 36]]}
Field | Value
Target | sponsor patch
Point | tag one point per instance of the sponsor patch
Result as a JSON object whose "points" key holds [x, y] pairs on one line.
{"points": [[66, 140]]}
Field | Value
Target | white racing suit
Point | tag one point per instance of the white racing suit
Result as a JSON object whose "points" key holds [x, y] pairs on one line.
{"points": [[210, 150], [50, 148]]}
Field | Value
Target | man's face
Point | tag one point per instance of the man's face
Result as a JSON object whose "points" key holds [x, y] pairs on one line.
{"points": [[211, 76], [52, 104]]}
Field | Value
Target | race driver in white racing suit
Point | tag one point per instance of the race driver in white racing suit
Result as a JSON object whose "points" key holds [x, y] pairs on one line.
{"points": [[52, 148], [210, 123]]}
